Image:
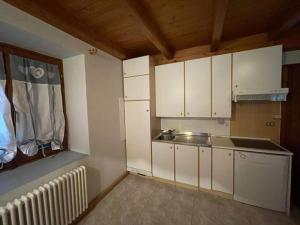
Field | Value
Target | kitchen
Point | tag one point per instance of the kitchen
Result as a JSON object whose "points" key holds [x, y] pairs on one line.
{"points": [[202, 157], [149, 112]]}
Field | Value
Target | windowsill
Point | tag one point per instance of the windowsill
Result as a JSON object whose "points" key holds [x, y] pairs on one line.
{"points": [[21, 175]]}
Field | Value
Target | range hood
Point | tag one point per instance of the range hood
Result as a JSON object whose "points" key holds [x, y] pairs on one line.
{"points": [[275, 95]]}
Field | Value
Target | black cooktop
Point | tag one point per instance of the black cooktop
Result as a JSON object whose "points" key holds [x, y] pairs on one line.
{"points": [[255, 143]]}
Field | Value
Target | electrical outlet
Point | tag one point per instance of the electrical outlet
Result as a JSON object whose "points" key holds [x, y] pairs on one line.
{"points": [[270, 124]]}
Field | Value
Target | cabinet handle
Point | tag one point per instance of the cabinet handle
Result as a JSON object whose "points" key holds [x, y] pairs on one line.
{"points": [[181, 113], [229, 154], [125, 96], [215, 113], [177, 148], [171, 147], [147, 110], [236, 85], [188, 113], [202, 151]]}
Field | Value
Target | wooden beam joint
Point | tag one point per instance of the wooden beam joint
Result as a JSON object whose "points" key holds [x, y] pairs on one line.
{"points": [[150, 29]]}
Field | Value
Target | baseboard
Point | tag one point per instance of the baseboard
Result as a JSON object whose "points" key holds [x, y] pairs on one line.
{"points": [[99, 197]]}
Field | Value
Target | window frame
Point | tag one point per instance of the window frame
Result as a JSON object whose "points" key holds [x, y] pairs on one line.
{"points": [[7, 50]]}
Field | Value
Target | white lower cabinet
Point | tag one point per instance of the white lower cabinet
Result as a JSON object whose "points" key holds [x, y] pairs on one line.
{"points": [[222, 170], [186, 164], [163, 160], [205, 167]]}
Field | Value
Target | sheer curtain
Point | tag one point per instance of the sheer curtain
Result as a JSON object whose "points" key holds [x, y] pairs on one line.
{"points": [[8, 148], [37, 99]]}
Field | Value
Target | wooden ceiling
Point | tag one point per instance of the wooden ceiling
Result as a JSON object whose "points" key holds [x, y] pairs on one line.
{"points": [[130, 28]]}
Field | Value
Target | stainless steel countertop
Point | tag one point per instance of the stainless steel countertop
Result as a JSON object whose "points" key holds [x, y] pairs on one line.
{"points": [[188, 138]]}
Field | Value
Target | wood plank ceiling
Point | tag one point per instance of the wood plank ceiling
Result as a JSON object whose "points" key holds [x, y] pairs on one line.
{"points": [[130, 28]]}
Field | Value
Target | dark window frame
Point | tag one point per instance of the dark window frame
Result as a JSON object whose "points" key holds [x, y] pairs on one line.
{"points": [[6, 50]]}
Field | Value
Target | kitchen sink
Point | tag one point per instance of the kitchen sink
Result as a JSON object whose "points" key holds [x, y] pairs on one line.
{"points": [[166, 137], [190, 138]]}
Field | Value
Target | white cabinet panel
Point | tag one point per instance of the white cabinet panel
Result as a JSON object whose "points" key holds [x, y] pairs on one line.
{"points": [[138, 140], [169, 86], [163, 160], [198, 87], [222, 170], [136, 88], [205, 167], [221, 86], [136, 66], [257, 69], [261, 179], [186, 164]]}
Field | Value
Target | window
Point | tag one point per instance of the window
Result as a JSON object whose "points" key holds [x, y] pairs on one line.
{"points": [[32, 85]]}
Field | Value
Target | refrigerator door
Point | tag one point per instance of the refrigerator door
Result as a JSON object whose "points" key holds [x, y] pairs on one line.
{"points": [[261, 179]]}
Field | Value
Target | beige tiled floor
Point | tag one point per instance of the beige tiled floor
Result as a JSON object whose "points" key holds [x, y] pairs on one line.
{"points": [[141, 201]]}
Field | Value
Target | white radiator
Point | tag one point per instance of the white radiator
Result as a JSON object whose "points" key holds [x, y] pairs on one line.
{"points": [[59, 202]]}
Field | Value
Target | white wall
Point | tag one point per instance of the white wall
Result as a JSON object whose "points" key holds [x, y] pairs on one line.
{"points": [[94, 93], [213, 126], [76, 103]]}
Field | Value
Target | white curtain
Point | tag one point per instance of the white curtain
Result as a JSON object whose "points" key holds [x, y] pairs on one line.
{"points": [[37, 99], [8, 147]]}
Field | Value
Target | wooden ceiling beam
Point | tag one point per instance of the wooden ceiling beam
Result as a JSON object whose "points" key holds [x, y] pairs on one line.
{"points": [[290, 21], [150, 29], [57, 17], [220, 9]]}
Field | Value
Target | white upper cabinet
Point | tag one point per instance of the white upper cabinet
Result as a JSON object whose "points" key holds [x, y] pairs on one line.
{"points": [[221, 86], [169, 86], [136, 66], [258, 69], [198, 87], [136, 88]]}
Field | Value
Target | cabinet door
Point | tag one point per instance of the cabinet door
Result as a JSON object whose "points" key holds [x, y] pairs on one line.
{"points": [[222, 170], [163, 160], [169, 86], [205, 167], [221, 86], [257, 69], [186, 164], [136, 88], [136, 66], [138, 141], [198, 88]]}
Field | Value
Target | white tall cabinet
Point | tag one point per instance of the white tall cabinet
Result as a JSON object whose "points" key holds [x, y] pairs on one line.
{"points": [[140, 123], [198, 87], [138, 137], [221, 86], [169, 86]]}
